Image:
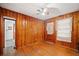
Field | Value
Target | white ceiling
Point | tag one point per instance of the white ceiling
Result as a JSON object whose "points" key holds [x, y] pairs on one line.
{"points": [[31, 8]]}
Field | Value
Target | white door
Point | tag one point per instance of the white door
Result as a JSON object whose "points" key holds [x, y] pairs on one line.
{"points": [[9, 33]]}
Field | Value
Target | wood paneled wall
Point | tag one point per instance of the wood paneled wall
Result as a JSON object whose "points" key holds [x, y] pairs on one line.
{"points": [[78, 32], [78, 26], [28, 29], [0, 27], [50, 38], [1, 50], [75, 16]]}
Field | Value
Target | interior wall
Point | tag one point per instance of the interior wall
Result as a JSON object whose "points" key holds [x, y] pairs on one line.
{"points": [[73, 44], [28, 29], [1, 50], [50, 38], [78, 32]]}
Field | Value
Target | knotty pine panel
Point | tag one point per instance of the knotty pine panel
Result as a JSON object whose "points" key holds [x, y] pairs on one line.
{"points": [[34, 29], [78, 28]]}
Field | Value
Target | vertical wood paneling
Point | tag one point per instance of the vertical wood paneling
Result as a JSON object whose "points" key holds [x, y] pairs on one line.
{"points": [[34, 29], [0, 27], [1, 49], [78, 28], [28, 29], [74, 15], [19, 30]]}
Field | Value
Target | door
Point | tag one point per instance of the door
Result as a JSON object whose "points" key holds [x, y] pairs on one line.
{"points": [[9, 33]]}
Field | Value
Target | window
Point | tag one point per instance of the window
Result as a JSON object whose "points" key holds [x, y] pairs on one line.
{"points": [[64, 28], [50, 28]]}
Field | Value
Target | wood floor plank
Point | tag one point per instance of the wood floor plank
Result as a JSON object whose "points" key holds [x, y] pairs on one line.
{"points": [[41, 49]]}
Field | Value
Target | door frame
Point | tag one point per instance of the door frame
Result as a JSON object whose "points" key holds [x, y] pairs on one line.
{"points": [[4, 30]]}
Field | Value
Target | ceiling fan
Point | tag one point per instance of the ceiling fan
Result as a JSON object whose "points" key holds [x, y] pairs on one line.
{"points": [[48, 9]]}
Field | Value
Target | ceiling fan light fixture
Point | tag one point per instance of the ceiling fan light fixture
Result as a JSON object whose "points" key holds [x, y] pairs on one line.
{"points": [[43, 13]]}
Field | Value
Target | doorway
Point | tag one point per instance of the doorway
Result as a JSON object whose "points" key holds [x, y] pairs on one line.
{"points": [[9, 29]]}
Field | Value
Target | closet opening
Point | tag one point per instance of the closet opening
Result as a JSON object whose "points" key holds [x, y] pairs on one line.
{"points": [[9, 33]]}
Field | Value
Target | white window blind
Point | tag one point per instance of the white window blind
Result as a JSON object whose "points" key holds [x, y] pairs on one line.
{"points": [[64, 28]]}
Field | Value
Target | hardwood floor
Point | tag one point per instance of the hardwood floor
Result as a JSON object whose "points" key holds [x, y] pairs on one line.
{"points": [[40, 49]]}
